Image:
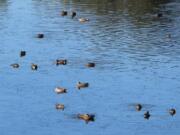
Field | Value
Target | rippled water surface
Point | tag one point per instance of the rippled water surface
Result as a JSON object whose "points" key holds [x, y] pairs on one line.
{"points": [[136, 62]]}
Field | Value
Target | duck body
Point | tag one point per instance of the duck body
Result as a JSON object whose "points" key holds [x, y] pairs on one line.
{"points": [[83, 20], [60, 106], [60, 90], [86, 117], [22, 53], [73, 14], [15, 65], [90, 64], [172, 112], [34, 67], [82, 85], [138, 107], [64, 13], [159, 15], [147, 115], [61, 62], [40, 35]]}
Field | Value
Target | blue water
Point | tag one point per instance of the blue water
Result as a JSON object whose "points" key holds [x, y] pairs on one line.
{"points": [[136, 62]]}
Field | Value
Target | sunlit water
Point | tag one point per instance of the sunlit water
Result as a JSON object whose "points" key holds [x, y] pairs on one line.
{"points": [[136, 62]]}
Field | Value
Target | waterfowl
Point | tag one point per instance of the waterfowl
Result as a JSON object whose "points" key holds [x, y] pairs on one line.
{"points": [[15, 65], [159, 15], [64, 13], [22, 53], [73, 14], [82, 85], [34, 67], [172, 112], [147, 115], [138, 107], [60, 90], [83, 20], [40, 35], [90, 64], [86, 117], [168, 35], [61, 62], [60, 106]]}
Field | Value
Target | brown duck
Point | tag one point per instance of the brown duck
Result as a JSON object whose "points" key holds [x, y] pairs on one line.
{"points": [[82, 85], [61, 62], [34, 66], [60, 106], [15, 65], [86, 117], [90, 64], [60, 90]]}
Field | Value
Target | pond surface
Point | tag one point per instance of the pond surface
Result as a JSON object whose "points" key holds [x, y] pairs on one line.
{"points": [[136, 62]]}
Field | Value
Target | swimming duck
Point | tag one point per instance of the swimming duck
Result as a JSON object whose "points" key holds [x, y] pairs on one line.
{"points": [[22, 53], [60, 90], [82, 85], [159, 15], [60, 106], [147, 115], [40, 35], [61, 62], [73, 14], [64, 13], [15, 65], [86, 117], [90, 64], [138, 107], [172, 112], [83, 20], [34, 66]]}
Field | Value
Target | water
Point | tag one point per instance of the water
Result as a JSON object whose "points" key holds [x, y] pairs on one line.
{"points": [[136, 63]]}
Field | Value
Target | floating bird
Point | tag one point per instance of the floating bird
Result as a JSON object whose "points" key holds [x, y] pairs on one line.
{"points": [[82, 85], [86, 117], [22, 53], [159, 15], [90, 64], [147, 115], [73, 14], [138, 107], [83, 20], [172, 112], [40, 35], [34, 66], [61, 62], [60, 106], [15, 65], [60, 90], [64, 13]]}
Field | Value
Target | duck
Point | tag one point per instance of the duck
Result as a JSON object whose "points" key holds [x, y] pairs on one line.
{"points": [[64, 13], [159, 15], [15, 65], [40, 35], [90, 64], [138, 107], [34, 66], [60, 106], [60, 90], [82, 85], [86, 117], [22, 53], [73, 14], [83, 20], [61, 62], [147, 115], [172, 111]]}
